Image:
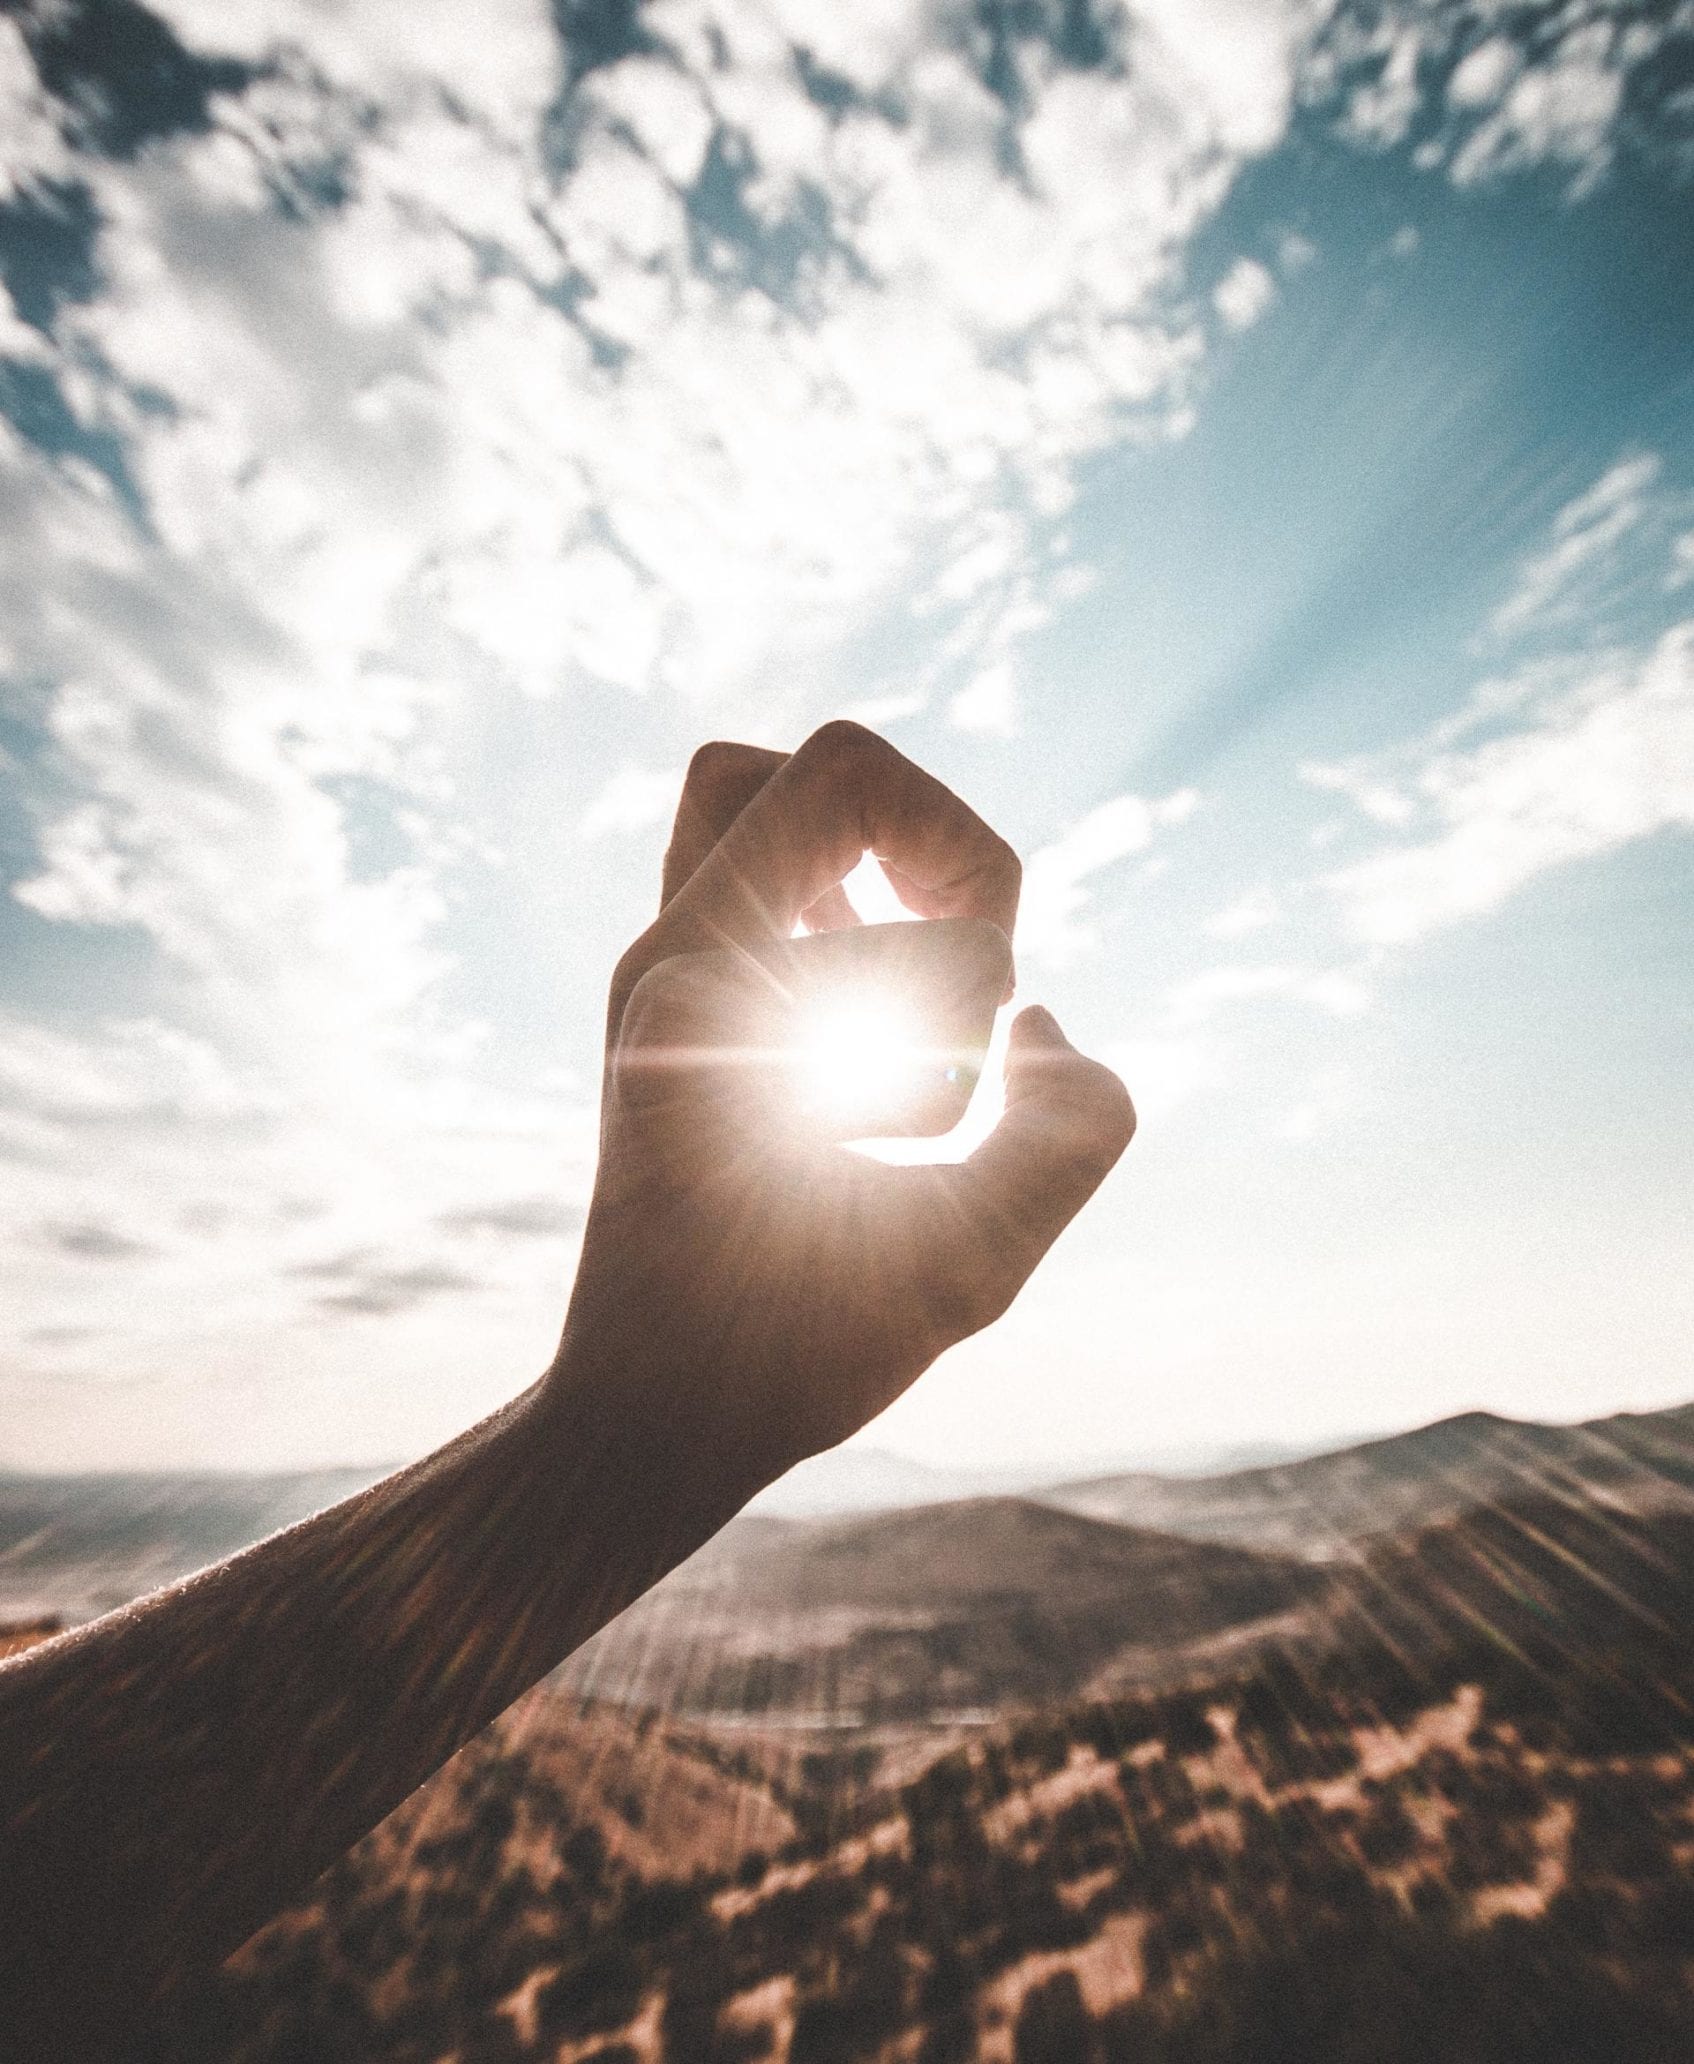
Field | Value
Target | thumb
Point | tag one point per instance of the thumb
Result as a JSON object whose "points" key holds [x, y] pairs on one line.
{"points": [[1067, 1121]]}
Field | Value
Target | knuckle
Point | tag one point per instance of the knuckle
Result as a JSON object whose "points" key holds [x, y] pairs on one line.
{"points": [[658, 987], [713, 764], [841, 744], [632, 964], [1113, 1107]]}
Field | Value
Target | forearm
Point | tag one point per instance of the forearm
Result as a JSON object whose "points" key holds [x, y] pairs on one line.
{"points": [[173, 1774]]}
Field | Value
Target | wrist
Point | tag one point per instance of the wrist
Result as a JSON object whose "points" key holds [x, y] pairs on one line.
{"points": [[643, 1441]]}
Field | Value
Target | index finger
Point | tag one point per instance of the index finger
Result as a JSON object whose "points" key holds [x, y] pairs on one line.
{"points": [[723, 778], [844, 793]]}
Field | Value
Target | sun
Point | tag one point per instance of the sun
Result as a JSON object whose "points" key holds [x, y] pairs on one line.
{"points": [[857, 1058]]}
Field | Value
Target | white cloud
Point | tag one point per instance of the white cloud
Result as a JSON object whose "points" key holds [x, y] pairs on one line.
{"points": [[508, 423], [1244, 293], [505, 423], [1588, 770], [1562, 111], [1198, 999], [1236, 55], [1365, 788], [1253, 912], [988, 704], [34, 149], [875, 711], [1681, 561], [1512, 102], [1586, 532], [1055, 879], [1483, 75], [634, 798]]}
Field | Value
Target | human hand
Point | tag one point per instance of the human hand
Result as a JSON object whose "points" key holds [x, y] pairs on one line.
{"points": [[756, 1293]]}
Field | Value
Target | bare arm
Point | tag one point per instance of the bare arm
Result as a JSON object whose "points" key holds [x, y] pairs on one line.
{"points": [[174, 1773]]}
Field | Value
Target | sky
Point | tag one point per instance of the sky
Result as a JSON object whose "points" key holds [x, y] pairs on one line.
{"points": [[1246, 448]]}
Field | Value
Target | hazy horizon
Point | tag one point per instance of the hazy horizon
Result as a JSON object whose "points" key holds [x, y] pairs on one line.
{"points": [[1248, 451]]}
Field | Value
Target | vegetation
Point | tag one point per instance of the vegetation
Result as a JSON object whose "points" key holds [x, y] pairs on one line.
{"points": [[1355, 1861]]}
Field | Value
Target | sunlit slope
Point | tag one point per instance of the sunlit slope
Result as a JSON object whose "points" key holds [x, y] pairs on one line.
{"points": [[937, 1611], [1639, 1462], [1340, 1864]]}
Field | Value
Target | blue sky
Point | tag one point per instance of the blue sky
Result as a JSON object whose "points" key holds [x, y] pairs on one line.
{"points": [[1246, 449]]}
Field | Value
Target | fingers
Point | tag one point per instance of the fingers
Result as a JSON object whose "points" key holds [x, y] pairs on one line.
{"points": [[844, 792], [1067, 1121], [722, 780], [832, 912], [700, 1055]]}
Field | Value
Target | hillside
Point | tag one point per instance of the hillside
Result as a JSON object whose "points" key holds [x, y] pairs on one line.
{"points": [[1323, 1504], [923, 1614], [1336, 1867]]}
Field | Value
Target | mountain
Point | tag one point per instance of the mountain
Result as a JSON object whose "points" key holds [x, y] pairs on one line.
{"points": [[860, 1479], [1273, 1865], [80, 1545], [1323, 1505], [943, 1610], [857, 1478]]}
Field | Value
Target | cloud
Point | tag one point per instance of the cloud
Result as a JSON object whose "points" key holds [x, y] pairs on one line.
{"points": [[399, 367], [634, 798], [1244, 293], [519, 1218], [1498, 95], [1198, 999], [377, 1289], [1055, 878], [1585, 770], [1586, 534], [89, 1240], [1253, 912], [988, 704], [1562, 110], [421, 372]]}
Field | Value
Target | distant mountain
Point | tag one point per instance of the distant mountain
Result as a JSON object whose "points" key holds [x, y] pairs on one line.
{"points": [[857, 1479], [1324, 1504], [870, 1479], [80, 1545], [944, 1609]]}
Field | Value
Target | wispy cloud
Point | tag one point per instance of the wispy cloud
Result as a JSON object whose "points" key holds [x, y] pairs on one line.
{"points": [[1056, 879], [89, 1240], [365, 1286], [1583, 771], [632, 799], [1587, 533], [1334, 990], [517, 1218]]}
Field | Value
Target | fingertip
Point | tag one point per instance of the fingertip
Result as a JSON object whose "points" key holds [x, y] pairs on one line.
{"points": [[1036, 1026]]}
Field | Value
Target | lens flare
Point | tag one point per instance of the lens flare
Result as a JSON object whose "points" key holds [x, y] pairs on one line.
{"points": [[856, 1057]]}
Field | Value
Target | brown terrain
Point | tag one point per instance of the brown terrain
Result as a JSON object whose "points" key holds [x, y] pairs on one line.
{"points": [[1400, 1775], [1323, 1504]]}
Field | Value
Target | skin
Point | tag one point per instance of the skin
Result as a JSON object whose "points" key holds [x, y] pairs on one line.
{"points": [[175, 1773]]}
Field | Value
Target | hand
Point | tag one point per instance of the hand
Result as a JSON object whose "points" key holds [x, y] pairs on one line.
{"points": [[752, 1294]]}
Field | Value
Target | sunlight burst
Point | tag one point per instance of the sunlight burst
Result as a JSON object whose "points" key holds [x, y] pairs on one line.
{"points": [[857, 1057]]}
